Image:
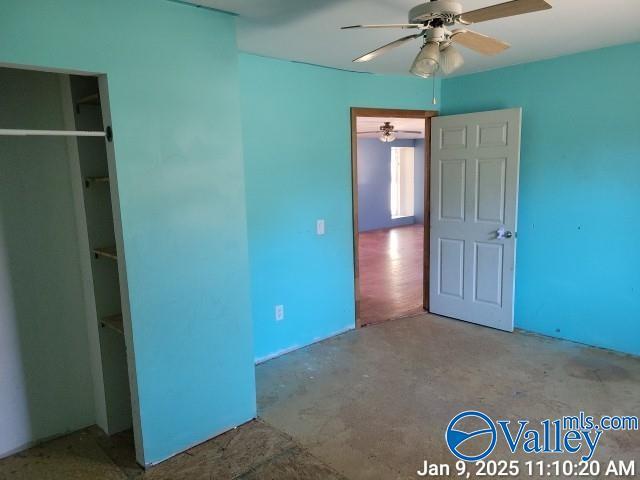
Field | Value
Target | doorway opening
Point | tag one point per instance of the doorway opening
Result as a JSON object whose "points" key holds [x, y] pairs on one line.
{"points": [[390, 152]]}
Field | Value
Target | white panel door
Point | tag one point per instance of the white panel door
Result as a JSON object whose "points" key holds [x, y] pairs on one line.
{"points": [[474, 202]]}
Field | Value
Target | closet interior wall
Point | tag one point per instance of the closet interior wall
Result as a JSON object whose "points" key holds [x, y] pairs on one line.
{"points": [[63, 361], [45, 372]]}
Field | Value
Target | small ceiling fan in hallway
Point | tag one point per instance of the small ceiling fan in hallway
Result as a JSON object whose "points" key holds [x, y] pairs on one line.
{"points": [[388, 132], [432, 20]]}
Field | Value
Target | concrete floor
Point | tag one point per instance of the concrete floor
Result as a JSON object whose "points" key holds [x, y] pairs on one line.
{"points": [[373, 404], [250, 452]]}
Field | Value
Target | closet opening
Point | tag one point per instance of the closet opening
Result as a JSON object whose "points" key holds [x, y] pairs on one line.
{"points": [[64, 313]]}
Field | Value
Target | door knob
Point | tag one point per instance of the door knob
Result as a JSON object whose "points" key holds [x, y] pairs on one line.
{"points": [[503, 233]]}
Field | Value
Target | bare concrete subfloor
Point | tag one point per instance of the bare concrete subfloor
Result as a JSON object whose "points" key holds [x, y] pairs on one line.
{"points": [[250, 452], [374, 404]]}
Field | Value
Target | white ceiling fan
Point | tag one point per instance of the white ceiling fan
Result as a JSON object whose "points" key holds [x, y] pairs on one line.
{"points": [[433, 18], [388, 132]]}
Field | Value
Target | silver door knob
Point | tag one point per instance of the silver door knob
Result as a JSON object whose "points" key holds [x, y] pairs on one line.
{"points": [[503, 233]]}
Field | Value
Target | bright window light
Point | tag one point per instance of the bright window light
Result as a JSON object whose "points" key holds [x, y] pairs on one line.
{"points": [[402, 201]]}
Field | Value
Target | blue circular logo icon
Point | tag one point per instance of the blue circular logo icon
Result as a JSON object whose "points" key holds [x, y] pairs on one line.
{"points": [[456, 436]]}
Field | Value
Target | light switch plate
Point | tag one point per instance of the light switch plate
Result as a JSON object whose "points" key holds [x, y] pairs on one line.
{"points": [[320, 226], [279, 312]]}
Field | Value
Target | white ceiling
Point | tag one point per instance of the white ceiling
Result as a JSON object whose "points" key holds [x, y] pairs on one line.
{"points": [[367, 124], [308, 30]]}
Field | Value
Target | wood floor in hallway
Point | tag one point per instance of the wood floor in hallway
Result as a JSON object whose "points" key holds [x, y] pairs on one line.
{"points": [[390, 264]]}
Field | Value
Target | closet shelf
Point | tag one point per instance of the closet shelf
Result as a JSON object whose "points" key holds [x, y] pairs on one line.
{"points": [[107, 252], [93, 99], [88, 181], [114, 322]]}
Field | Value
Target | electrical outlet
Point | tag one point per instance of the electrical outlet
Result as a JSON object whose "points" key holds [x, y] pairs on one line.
{"points": [[279, 312], [320, 226]]}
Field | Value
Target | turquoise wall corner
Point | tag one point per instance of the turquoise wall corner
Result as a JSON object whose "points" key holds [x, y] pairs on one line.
{"points": [[297, 153], [174, 97], [577, 273]]}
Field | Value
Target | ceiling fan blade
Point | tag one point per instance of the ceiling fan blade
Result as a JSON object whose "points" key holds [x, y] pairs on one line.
{"points": [[387, 25], [407, 131], [508, 9], [478, 42], [362, 133], [385, 48]]}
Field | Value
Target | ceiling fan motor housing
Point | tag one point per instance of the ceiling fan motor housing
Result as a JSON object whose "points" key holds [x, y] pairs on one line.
{"points": [[437, 34], [447, 10]]}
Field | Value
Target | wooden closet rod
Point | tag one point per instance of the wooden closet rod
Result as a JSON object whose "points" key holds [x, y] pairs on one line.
{"points": [[50, 133]]}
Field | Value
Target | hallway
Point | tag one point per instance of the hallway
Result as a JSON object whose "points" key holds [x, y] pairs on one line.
{"points": [[390, 263]]}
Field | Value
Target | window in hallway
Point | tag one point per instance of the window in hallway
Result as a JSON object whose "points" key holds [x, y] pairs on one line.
{"points": [[402, 180]]}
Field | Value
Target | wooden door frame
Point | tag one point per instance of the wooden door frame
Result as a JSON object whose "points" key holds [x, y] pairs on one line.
{"points": [[397, 113]]}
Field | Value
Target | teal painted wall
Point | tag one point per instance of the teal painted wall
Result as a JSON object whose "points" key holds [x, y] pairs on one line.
{"points": [[578, 267], [173, 83], [297, 152]]}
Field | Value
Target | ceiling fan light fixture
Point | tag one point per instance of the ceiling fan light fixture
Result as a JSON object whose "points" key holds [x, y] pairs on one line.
{"points": [[432, 19], [450, 59], [388, 137], [427, 61]]}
